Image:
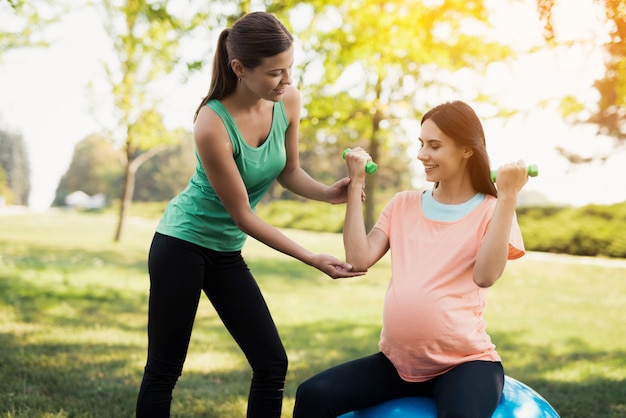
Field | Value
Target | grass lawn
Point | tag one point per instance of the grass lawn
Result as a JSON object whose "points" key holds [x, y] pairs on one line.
{"points": [[73, 324]]}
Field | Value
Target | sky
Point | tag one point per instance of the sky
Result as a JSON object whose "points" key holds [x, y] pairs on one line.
{"points": [[44, 95]]}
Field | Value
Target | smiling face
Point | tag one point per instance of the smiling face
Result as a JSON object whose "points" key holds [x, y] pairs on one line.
{"points": [[443, 159], [270, 79]]}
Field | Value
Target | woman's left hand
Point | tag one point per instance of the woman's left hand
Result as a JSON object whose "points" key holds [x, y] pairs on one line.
{"points": [[511, 178]]}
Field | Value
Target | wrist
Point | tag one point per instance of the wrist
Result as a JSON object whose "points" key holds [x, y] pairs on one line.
{"points": [[356, 184], [507, 199]]}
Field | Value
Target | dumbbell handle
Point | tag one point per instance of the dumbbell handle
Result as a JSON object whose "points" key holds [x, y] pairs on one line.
{"points": [[533, 171], [370, 167]]}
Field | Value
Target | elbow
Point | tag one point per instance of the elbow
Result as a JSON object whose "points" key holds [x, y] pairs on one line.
{"points": [[362, 267], [357, 263], [486, 280], [242, 221], [241, 226], [484, 283], [486, 274]]}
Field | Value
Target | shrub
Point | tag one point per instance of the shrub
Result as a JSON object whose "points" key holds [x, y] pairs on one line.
{"points": [[590, 230]]}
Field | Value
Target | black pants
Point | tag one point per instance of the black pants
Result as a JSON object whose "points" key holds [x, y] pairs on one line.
{"points": [[179, 272], [471, 389]]}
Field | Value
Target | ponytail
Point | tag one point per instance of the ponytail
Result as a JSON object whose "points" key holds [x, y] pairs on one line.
{"points": [[223, 79]]}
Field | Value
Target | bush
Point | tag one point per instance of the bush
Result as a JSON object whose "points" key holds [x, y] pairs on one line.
{"points": [[592, 230], [307, 215]]}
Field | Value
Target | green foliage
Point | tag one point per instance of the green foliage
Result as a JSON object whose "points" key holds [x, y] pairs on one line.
{"points": [[147, 40], [308, 216], [28, 20], [370, 66], [592, 230], [608, 112], [96, 167], [168, 172], [6, 196], [570, 105], [15, 165], [73, 323]]}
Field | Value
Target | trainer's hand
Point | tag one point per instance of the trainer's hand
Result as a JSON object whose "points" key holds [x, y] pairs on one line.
{"points": [[334, 267], [338, 192]]}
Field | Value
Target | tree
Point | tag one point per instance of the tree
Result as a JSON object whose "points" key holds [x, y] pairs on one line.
{"points": [[146, 38], [96, 167], [15, 164], [6, 195], [609, 113], [165, 175], [30, 18], [384, 62]]}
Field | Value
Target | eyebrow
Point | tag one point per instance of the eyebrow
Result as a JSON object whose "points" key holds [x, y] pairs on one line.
{"points": [[281, 69], [429, 140]]}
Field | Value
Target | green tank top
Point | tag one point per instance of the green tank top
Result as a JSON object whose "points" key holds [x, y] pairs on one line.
{"points": [[197, 214]]}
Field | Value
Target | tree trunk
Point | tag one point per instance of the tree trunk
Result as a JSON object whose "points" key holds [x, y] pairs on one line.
{"points": [[370, 189], [372, 180], [126, 200], [132, 166]]}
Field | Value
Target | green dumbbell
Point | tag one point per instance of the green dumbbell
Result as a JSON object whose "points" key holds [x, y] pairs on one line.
{"points": [[370, 167], [533, 171]]}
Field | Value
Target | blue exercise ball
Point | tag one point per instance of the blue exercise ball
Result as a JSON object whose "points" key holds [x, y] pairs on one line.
{"points": [[518, 401]]}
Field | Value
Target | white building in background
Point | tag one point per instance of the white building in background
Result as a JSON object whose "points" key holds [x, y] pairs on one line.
{"points": [[82, 200]]}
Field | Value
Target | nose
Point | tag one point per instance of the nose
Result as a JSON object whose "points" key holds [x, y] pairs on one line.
{"points": [[286, 77], [421, 154]]}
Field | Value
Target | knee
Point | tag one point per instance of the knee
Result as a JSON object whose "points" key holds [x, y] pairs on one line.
{"points": [[162, 373], [273, 368], [312, 394]]}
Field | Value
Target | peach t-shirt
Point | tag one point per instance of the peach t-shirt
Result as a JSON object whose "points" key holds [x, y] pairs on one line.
{"points": [[433, 311]]}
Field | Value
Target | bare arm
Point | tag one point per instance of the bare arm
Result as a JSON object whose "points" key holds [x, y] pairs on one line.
{"points": [[215, 150], [362, 250], [293, 177], [494, 250]]}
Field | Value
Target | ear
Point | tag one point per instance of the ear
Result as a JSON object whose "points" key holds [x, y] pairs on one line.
{"points": [[468, 152], [237, 68]]}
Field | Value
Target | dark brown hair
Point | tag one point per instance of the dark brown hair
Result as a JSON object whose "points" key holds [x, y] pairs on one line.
{"points": [[459, 122], [253, 37]]}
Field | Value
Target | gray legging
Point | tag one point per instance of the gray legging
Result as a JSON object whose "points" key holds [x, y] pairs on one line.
{"points": [[470, 390], [179, 272]]}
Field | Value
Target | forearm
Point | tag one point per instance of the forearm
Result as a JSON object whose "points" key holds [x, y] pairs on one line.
{"points": [[299, 182], [258, 229], [354, 233], [494, 250]]}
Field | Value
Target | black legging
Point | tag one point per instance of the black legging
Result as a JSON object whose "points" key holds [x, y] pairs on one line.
{"points": [[470, 390], [179, 271]]}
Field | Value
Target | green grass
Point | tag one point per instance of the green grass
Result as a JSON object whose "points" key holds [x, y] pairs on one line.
{"points": [[73, 319]]}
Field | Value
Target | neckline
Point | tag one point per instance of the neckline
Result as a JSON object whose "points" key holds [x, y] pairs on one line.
{"points": [[234, 126]]}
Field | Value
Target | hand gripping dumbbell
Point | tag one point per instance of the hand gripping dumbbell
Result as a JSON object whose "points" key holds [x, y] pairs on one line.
{"points": [[533, 171], [370, 167]]}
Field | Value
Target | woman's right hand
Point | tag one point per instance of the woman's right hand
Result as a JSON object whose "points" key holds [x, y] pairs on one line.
{"points": [[334, 267]]}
